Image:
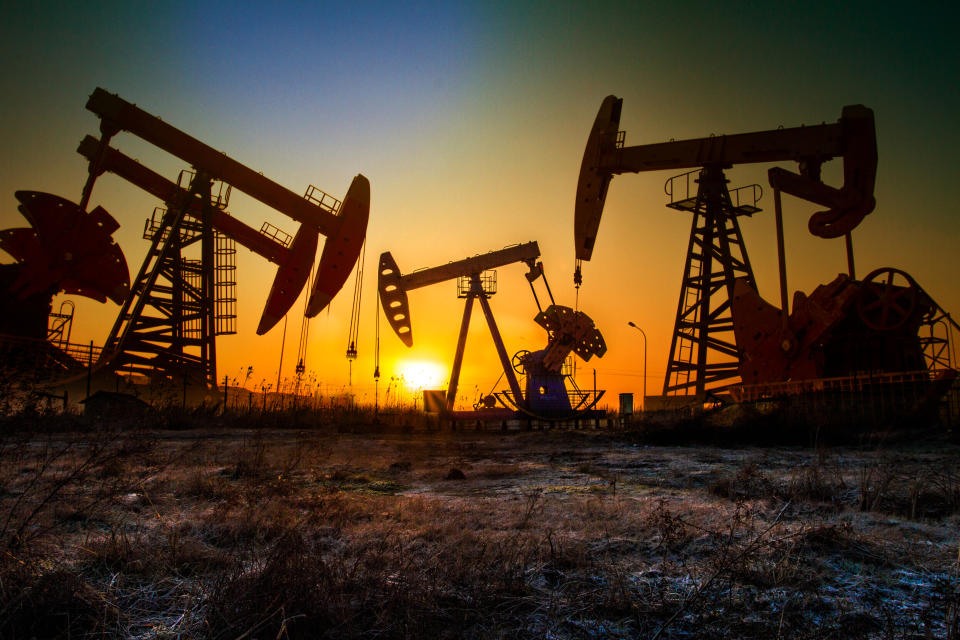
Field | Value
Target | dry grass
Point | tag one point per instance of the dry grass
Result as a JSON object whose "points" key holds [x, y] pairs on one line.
{"points": [[266, 533]]}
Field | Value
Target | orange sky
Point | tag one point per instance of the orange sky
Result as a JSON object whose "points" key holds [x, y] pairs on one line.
{"points": [[470, 123]]}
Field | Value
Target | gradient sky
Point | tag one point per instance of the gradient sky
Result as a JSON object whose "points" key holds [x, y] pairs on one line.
{"points": [[470, 121]]}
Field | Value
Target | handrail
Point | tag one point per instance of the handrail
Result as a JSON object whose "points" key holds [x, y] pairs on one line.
{"points": [[755, 188], [668, 185], [76, 350], [762, 390]]}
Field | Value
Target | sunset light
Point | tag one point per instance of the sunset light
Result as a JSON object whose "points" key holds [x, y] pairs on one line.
{"points": [[479, 319], [422, 374], [455, 97]]}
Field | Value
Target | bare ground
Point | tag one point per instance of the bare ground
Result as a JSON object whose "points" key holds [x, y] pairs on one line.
{"points": [[229, 533]]}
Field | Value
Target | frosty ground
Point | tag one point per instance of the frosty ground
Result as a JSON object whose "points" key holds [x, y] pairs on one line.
{"points": [[228, 532]]}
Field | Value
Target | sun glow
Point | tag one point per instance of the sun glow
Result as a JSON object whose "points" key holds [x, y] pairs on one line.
{"points": [[422, 374]]}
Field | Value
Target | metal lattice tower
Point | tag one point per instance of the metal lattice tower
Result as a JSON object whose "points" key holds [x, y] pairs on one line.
{"points": [[167, 328], [703, 351]]}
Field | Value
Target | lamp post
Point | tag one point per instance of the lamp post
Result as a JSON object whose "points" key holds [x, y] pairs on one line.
{"points": [[644, 363]]}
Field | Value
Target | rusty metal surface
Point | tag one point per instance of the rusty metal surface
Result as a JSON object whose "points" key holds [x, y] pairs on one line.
{"points": [[843, 328], [66, 250], [889, 299]]}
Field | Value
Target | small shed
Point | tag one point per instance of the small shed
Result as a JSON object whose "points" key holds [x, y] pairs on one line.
{"points": [[114, 405]]}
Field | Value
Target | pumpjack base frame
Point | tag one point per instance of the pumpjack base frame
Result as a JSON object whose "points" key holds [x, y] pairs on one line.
{"points": [[503, 414], [851, 405], [579, 410]]}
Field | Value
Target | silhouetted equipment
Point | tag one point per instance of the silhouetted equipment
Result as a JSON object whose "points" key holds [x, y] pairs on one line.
{"points": [[376, 361], [704, 353], [178, 305], [546, 394], [65, 250], [60, 324], [882, 339], [304, 342], [353, 333], [842, 328]]}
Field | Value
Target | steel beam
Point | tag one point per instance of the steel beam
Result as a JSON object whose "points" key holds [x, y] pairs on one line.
{"points": [[527, 252], [128, 117]]}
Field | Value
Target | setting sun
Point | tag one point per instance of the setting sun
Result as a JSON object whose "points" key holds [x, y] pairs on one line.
{"points": [[422, 374]]}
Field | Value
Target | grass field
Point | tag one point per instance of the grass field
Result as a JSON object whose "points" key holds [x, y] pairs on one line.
{"points": [[243, 529]]}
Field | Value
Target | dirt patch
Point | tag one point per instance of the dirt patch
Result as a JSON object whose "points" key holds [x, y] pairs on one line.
{"points": [[551, 534]]}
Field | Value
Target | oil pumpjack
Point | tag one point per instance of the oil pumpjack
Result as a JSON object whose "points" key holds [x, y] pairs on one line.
{"points": [[177, 305], [546, 395], [724, 333], [703, 351]]}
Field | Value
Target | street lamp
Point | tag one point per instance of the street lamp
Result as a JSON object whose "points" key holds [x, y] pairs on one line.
{"points": [[644, 363]]}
